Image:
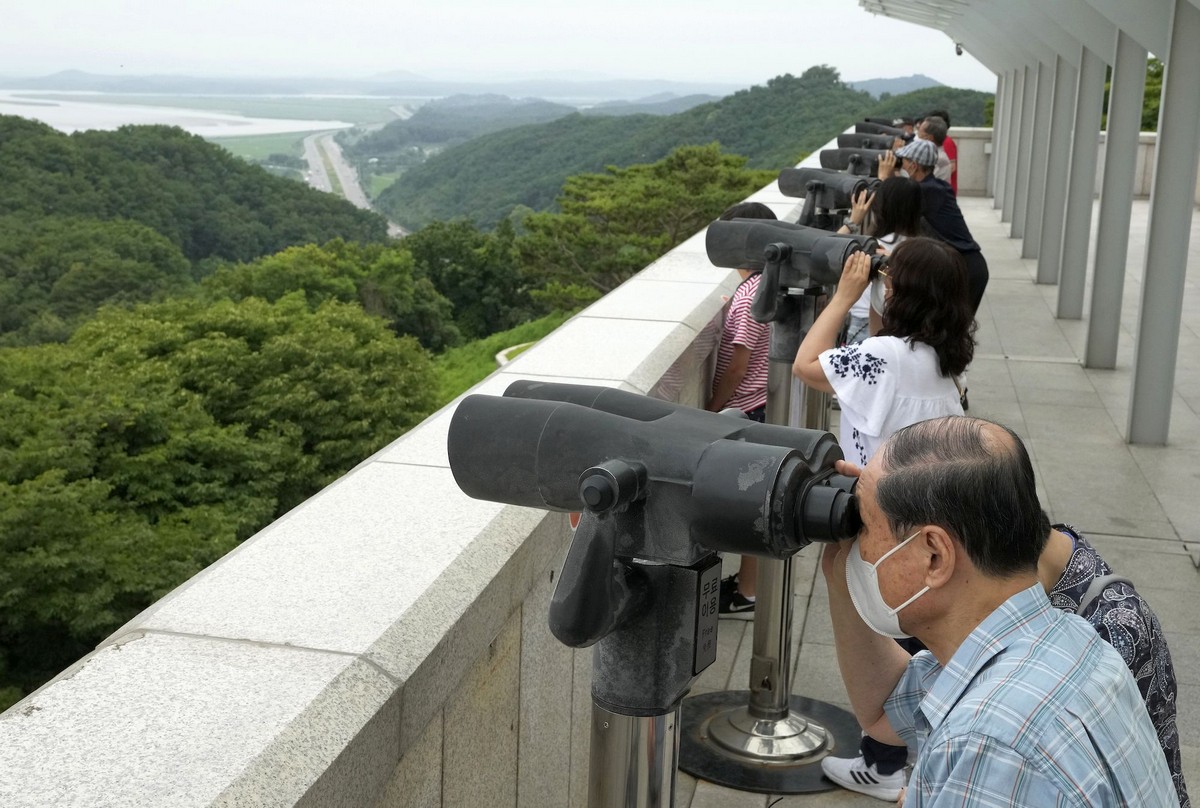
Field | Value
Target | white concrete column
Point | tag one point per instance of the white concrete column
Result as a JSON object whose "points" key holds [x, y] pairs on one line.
{"points": [[1024, 151], [1011, 139], [1081, 185], [1001, 134], [997, 136], [1172, 202], [1058, 164], [1039, 143], [1116, 201]]}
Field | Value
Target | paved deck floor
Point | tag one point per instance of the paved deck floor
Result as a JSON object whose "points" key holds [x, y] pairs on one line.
{"points": [[1140, 506]]}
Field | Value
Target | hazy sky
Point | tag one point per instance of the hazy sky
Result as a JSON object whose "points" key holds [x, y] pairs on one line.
{"points": [[746, 41]]}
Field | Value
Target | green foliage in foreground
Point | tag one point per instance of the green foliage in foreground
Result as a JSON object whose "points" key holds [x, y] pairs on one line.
{"points": [[56, 271], [379, 278], [158, 438], [476, 271]]}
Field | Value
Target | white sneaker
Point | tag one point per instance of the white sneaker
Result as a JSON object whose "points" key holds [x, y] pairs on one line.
{"points": [[856, 775]]}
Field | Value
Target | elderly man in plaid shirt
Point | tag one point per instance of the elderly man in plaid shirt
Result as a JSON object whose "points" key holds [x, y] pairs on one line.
{"points": [[1015, 702]]}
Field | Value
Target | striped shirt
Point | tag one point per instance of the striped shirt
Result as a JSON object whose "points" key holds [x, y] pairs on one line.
{"points": [[1034, 709], [742, 329]]}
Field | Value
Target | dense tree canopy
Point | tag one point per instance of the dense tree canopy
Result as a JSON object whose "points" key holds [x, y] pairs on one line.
{"points": [[380, 278], [157, 438], [615, 224], [446, 121], [202, 199], [476, 271], [966, 107], [136, 214], [56, 270]]}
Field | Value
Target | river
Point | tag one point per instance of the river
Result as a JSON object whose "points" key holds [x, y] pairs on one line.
{"points": [[90, 112]]}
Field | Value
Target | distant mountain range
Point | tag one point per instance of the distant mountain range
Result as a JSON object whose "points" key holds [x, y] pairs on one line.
{"points": [[395, 83], [897, 86], [673, 96], [492, 175]]}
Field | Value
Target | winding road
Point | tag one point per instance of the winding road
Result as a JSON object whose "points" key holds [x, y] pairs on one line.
{"points": [[320, 146], [317, 176]]}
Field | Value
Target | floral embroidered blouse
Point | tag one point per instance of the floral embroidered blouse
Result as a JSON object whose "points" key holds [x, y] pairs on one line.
{"points": [[884, 384]]}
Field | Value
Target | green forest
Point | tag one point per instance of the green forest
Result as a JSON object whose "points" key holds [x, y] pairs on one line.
{"points": [[503, 174], [190, 347], [443, 123]]}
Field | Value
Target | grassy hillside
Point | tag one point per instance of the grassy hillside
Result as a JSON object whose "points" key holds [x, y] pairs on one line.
{"points": [[774, 125]]}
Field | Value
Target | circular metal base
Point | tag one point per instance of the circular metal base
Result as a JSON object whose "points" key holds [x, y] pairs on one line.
{"points": [[722, 743], [793, 739]]}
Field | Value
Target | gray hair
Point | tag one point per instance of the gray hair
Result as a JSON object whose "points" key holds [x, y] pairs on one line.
{"points": [[974, 479], [937, 130]]}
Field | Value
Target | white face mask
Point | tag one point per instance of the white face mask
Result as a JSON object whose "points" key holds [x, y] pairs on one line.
{"points": [[879, 294], [863, 580]]}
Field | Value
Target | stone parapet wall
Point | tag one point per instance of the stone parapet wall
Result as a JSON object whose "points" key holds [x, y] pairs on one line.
{"points": [[975, 155]]}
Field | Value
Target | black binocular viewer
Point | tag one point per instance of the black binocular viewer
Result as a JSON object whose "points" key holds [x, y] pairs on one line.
{"points": [[828, 189], [704, 481], [864, 162], [806, 257], [872, 128], [677, 483], [661, 487], [862, 140]]}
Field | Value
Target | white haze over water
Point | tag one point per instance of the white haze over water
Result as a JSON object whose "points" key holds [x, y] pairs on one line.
{"points": [[73, 116], [745, 42]]}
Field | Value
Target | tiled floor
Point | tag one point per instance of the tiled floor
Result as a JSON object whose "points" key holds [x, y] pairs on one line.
{"points": [[1139, 505]]}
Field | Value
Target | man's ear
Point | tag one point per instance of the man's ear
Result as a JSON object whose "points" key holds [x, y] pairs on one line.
{"points": [[944, 555]]}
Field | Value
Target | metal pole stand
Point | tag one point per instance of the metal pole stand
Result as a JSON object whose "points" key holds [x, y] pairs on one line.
{"points": [[766, 739], [654, 627]]}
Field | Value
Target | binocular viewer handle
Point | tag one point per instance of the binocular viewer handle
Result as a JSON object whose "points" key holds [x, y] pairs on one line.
{"points": [[765, 306], [596, 591]]}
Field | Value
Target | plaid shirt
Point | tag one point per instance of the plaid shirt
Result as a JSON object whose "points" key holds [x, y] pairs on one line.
{"points": [[1034, 710]]}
